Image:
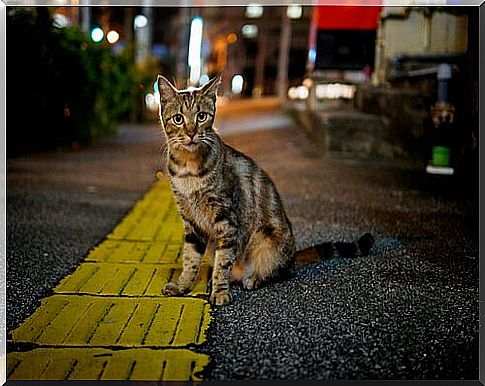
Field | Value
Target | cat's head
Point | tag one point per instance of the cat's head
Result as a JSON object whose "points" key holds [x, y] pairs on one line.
{"points": [[187, 116]]}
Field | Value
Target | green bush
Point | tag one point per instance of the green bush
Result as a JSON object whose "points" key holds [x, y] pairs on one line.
{"points": [[61, 87]]}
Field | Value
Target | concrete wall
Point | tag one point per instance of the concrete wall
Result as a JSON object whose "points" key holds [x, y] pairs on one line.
{"points": [[407, 30]]}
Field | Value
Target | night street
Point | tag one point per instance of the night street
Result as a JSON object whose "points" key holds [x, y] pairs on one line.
{"points": [[410, 310]]}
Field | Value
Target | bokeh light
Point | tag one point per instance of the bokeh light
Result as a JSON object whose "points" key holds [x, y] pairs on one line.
{"points": [[112, 37], [237, 84], [60, 20], [294, 11], [232, 38], [140, 21], [254, 10], [97, 34], [203, 79], [249, 31]]}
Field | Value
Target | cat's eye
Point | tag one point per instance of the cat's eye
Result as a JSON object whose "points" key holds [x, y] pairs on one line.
{"points": [[178, 119], [201, 117]]}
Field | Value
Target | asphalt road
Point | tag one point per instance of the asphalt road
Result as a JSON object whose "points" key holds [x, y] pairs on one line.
{"points": [[408, 311]]}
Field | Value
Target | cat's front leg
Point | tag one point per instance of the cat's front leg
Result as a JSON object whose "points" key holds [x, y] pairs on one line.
{"points": [[225, 256], [194, 247]]}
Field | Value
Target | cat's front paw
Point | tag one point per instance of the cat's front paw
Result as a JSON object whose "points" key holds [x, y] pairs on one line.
{"points": [[220, 298], [173, 289]]}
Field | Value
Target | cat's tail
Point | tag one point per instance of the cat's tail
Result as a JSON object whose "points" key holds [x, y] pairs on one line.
{"points": [[329, 250]]}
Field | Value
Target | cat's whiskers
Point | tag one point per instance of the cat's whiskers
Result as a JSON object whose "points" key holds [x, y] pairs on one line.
{"points": [[206, 140], [209, 141], [164, 149]]}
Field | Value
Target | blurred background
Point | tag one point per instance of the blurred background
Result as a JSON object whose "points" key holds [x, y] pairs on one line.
{"points": [[373, 82]]}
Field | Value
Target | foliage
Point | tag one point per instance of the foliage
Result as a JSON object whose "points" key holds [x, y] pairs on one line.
{"points": [[62, 87]]}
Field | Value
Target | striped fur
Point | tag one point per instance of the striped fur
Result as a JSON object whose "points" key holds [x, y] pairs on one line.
{"points": [[229, 206]]}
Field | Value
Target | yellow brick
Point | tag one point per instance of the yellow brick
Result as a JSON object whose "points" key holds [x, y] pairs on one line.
{"points": [[105, 364], [29, 328], [122, 251], [68, 320], [111, 279], [154, 218]]}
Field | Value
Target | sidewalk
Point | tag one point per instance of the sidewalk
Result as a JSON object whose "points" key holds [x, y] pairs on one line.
{"points": [[109, 320]]}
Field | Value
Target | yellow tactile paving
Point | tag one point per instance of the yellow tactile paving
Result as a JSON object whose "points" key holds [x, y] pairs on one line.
{"points": [[65, 320], [154, 252], [126, 279], [113, 300], [147, 226], [121, 251], [154, 218], [105, 364], [151, 223]]}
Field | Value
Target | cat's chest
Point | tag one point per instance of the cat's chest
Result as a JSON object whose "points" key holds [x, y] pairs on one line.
{"points": [[185, 176], [187, 185], [201, 209]]}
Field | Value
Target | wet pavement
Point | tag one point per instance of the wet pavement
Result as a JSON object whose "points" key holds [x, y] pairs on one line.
{"points": [[408, 311]]}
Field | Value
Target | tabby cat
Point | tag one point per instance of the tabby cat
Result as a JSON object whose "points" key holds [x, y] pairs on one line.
{"points": [[229, 206]]}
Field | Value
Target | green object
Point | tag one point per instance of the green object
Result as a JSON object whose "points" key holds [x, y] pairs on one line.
{"points": [[441, 156]]}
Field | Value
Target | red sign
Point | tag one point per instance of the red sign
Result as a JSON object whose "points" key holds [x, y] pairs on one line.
{"points": [[347, 17]]}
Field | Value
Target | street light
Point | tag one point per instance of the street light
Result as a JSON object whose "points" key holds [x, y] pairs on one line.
{"points": [[195, 47], [142, 29]]}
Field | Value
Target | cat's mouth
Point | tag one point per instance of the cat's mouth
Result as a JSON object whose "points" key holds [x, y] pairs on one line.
{"points": [[191, 145]]}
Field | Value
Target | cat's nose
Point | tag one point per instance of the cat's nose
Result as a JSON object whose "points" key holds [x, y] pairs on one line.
{"points": [[191, 132]]}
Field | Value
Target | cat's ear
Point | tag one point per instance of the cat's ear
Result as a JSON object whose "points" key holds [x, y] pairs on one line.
{"points": [[166, 89], [210, 88]]}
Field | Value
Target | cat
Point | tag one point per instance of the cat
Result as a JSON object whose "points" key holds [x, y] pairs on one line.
{"points": [[229, 206]]}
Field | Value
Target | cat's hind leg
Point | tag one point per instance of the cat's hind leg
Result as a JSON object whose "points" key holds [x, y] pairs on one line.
{"points": [[268, 254]]}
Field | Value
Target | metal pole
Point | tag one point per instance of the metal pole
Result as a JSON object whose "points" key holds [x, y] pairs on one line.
{"points": [[148, 11], [258, 88], [143, 36], [86, 18], [285, 42]]}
